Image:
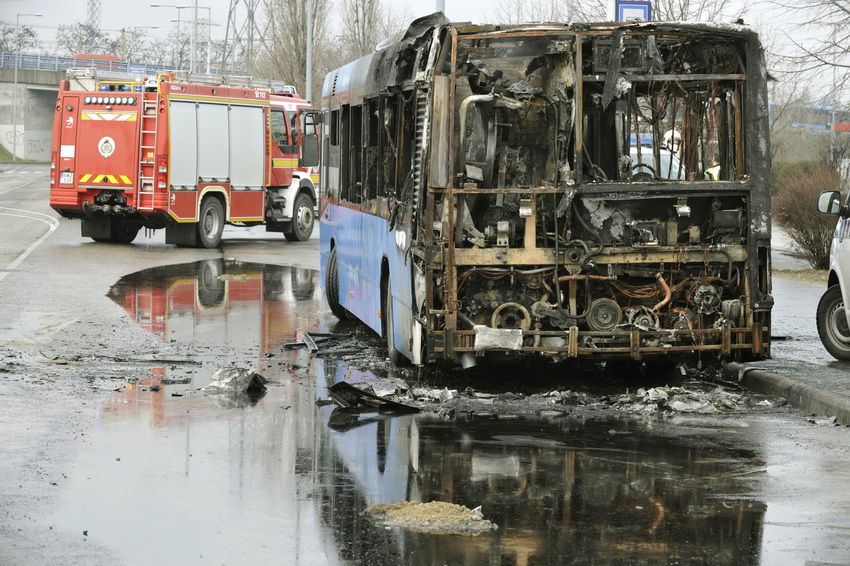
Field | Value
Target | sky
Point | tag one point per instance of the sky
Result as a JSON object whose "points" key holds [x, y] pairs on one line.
{"points": [[118, 14], [764, 15]]}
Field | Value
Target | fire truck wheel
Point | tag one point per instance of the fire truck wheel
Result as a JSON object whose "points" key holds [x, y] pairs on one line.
{"points": [[211, 288], [210, 223], [123, 232], [303, 219]]}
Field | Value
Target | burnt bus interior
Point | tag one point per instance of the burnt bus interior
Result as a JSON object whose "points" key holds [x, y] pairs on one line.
{"points": [[610, 182]]}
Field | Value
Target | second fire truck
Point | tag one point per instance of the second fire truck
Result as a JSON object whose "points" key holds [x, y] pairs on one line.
{"points": [[184, 156]]}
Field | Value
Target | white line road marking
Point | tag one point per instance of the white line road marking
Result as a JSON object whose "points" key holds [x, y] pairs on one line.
{"points": [[49, 220]]}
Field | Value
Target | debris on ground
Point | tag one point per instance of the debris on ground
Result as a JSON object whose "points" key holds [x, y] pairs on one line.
{"points": [[316, 342], [236, 387], [437, 517], [347, 395], [695, 390], [822, 421], [429, 395], [681, 400]]}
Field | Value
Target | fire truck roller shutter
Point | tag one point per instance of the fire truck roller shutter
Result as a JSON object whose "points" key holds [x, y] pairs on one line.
{"points": [[213, 146], [184, 145], [247, 149]]}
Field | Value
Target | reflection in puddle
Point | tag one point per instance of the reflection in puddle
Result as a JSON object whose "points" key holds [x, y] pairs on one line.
{"points": [[561, 491], [170, 476], [230, 313]]}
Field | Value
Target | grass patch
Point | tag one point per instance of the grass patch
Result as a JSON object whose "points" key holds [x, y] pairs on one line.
{"points": [[6, 157]]}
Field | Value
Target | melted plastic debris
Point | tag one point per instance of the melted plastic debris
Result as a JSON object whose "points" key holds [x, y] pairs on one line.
{"points": [[236, 387]]}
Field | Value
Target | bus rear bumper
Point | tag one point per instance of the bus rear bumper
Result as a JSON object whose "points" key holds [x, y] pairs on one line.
{"points": [[632, 343]]}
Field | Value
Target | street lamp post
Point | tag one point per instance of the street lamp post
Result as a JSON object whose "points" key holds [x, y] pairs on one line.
{"points": [[193, 62], [194, 43], [209, 25], [15, 92]]}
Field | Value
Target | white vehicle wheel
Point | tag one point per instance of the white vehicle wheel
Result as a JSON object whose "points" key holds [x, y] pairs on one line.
{"points": [[832, 324]]}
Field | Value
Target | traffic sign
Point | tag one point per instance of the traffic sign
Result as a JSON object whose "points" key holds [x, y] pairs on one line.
{"points": [[633, 10]]}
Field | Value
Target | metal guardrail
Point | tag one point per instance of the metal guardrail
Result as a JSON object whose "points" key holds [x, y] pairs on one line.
{"points": [[98, 68], [43, 63]]}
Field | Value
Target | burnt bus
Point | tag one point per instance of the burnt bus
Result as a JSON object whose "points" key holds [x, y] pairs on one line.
{"points": [[589, 191]]}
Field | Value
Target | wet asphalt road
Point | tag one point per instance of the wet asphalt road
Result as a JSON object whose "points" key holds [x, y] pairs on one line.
{"points": [[110, 454]]}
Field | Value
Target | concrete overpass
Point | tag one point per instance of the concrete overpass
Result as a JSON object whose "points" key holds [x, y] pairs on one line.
{"points": [[37, 88], [36, 105]]}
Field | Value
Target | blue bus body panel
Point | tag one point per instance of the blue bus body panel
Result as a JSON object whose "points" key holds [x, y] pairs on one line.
{"points": [[363, 241]]}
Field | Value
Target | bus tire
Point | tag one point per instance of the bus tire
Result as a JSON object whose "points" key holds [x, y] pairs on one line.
{"points": [[303, 219], [832, 324], [210, 223], [389, 331], [332, 286]]}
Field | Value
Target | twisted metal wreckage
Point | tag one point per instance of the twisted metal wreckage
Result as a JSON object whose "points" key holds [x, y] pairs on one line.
{"points": [[569, 190]]}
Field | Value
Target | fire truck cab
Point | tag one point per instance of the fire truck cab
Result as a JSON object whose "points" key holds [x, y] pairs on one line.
{"points": [[183, 155]]}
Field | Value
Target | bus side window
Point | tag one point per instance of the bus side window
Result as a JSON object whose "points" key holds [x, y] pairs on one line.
{"points": [[330, 155], [371, 155], [334, 128], [388, 148], [345, 154], [355, 150]]}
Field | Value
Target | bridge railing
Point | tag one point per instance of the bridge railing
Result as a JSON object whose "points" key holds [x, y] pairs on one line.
{"points": [[44, 63]]}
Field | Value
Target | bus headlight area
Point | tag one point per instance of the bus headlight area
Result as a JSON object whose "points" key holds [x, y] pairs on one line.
{"points": [[572, 191]]}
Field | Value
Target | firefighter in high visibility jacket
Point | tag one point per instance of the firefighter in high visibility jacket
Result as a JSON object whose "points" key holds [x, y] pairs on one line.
{"points": [[713, 172]]}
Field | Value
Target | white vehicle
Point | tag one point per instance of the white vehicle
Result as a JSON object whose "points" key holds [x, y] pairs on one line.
{"points": [[644, 166], [832, 317]]}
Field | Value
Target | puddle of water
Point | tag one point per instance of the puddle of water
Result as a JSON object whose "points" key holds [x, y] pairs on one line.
{"points": [[560, 491], [168, 475]]}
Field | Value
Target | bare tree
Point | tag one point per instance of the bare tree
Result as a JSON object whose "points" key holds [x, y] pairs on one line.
{"points": [[793, 209], [669, 10], [133, 45], [365, 23], [826, 26], [18, 39], [82, 38], [286, 41], [521, 11], [590, 10], [700, 10]]}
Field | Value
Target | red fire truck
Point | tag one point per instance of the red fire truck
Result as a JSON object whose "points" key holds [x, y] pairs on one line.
{"points": [[184, 156]]}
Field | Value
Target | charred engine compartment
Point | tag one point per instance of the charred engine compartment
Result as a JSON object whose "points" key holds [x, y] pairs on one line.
{"points": [[604, 279]]}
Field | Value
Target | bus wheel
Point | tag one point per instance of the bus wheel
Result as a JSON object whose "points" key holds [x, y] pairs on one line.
{"points": [[389, 330], [124, 232], [832, 324], [210, 223], [303, 219], [332, 286]]}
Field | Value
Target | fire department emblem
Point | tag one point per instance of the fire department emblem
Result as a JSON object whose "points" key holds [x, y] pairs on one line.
{"points": [[106, 146]]}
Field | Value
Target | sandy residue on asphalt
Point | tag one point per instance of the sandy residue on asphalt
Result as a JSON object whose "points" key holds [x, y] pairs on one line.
{"points": [[810, 275], [434, 517]]}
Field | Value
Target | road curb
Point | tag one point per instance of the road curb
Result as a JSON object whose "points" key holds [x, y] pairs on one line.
{"points": [[804, 397]]}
